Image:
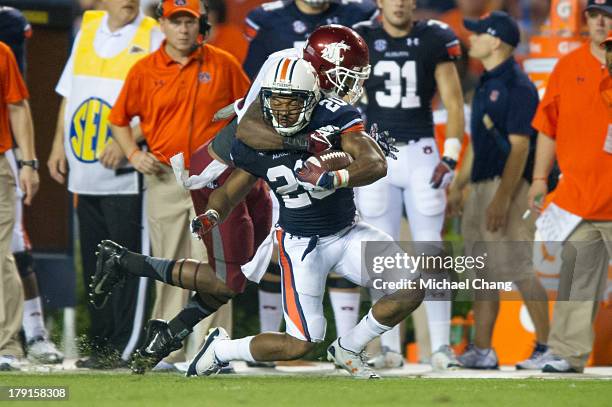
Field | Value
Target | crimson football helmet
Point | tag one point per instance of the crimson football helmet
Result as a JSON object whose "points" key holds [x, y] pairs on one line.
{"points": [[341, 58]]}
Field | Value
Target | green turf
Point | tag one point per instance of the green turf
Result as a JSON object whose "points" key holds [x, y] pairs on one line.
{"points": [[120, 390]]}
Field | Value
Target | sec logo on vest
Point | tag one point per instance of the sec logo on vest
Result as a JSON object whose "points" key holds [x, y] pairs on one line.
{"points": [[90, 131]]}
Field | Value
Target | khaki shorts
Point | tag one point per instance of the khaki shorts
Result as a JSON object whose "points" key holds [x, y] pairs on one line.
{"points": [[509, 251]]}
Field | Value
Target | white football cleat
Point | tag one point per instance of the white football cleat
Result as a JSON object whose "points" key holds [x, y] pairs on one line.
{"points": [[205, 363], [444, 359], [354, 363], [42, 350]]}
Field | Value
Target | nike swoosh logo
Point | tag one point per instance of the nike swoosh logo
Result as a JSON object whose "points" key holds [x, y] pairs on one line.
{"points": [[97, 288], [150, 347]]}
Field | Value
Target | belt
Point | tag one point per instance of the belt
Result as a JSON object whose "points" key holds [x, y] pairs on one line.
{"points": [[411, 141], [314, 240]]}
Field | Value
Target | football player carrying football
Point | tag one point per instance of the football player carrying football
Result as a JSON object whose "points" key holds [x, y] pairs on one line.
{"points": [[162, 337], [340, 57], [317, 229]]}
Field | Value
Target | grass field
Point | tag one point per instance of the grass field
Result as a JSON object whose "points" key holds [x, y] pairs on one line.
{"points": [[118, 390]]}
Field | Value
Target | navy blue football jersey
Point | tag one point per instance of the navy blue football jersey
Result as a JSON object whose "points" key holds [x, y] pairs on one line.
{"points": [[280, 25], [402, 82], [304, 213], [14, 29]]}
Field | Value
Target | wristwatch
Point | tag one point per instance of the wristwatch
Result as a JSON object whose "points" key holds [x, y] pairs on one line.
{"points": [[30, 163]]}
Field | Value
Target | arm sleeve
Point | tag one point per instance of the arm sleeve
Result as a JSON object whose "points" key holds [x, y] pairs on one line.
{"points": [[521, 110], [547, 114], [127, 104], [447, 47], [13, 87]]}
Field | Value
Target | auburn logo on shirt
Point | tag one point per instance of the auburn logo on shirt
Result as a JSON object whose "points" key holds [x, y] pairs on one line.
{"points": [[90, 132], [204, 77]]}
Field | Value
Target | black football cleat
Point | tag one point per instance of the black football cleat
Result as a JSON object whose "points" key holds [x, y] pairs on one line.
{"points": [[159, 343], [108, 272]]}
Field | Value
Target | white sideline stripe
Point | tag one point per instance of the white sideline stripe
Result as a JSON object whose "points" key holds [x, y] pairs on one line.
{"points": [[327, 369]]}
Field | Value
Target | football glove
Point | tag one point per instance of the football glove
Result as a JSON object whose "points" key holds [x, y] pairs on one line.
{"points": [[443, 173], [204, 223], [384, 141], [314, 178]]}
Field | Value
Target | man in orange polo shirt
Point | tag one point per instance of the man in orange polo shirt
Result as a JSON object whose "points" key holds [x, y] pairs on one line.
{"points": [[175, 92], [14, 115], [574, 122]]}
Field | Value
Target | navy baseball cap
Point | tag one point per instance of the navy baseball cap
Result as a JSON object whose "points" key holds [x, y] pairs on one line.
{"points": [[602, 5], [498, 24]]}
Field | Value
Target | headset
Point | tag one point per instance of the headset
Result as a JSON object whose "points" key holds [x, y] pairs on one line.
{"points": [[203, 20]]}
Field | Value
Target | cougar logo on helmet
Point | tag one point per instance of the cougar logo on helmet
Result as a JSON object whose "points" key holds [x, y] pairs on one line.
{"points": [[333, 52], [340, 57]]}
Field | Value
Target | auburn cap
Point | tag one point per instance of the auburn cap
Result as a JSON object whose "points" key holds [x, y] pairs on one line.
{"points": [[601, 5], [170, 7]]}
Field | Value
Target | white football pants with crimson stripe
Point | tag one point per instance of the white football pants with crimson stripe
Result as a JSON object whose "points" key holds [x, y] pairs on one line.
{"points": [[303, 278]]}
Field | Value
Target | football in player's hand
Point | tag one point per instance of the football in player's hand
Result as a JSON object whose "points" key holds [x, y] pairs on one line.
{"points": [[331, 160], [316, 174]]}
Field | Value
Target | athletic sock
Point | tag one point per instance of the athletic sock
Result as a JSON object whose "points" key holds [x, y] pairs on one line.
{"points": [[195, 311], [346, 310], [438, 320], [234, 349], [270, 310], [390, 340], [33, 323], [367, 329], [146, 266]]}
